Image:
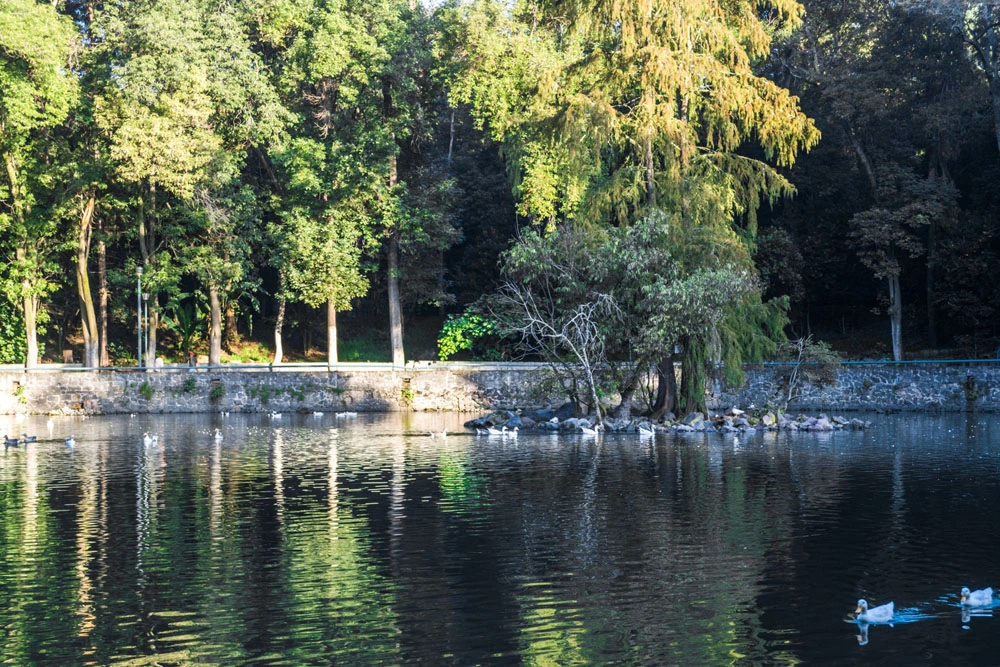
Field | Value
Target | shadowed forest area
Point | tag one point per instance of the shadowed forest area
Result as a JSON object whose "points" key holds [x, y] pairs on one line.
{"points": [[692, 182]]}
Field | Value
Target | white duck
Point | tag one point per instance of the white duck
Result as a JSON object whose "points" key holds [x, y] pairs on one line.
{"points": [[979, 598], [880, 614]]}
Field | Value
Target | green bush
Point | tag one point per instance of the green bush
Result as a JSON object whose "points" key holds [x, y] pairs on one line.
{"points": [[120, 355], [218, 391], [461, 332], [146, 391], [13, 346]]}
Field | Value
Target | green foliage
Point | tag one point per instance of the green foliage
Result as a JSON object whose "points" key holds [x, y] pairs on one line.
{"points": [[461, 332], [612, 296], [186, 318], [146, 390], [251, 352], [12, 341], [39, 92], [217, 392], [120, 355], [407, 395], [263, 392], [594, 130], [190, 385], [364, 349]]}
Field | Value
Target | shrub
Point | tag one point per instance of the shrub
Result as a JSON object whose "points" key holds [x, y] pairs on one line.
{"points": [[462, 332]]}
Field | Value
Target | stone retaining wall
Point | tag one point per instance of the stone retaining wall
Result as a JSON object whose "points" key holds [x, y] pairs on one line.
{"points": [[458, 388], [918, 387], [435, 387]]}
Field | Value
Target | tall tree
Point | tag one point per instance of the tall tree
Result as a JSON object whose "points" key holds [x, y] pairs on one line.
{"points": [[611, 111], [156, 112], [333, 168], [39, 90], [886, 83]]}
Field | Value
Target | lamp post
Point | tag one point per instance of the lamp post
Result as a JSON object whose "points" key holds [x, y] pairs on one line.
{"points": [[138, 299]]}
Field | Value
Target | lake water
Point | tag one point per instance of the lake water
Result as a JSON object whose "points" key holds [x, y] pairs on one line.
{"points": [[305, 540]]}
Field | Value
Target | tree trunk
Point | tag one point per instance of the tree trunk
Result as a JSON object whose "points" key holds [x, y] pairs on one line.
{"points": [[395, 309], [152, 325], [451, 135], [30, 305], [624, 408], [88, 317], [932, 337], [215, 325], [896, 317], [595, 402], [666, 387], [650, 172], [692, 392], [102, 295], [147, 246], [331, 332], [278, 324], [230, 334]]}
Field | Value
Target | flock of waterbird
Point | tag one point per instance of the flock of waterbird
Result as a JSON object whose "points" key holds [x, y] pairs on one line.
{"points": [[151, 439], [972, 603], [26, 439], [885, 613]]}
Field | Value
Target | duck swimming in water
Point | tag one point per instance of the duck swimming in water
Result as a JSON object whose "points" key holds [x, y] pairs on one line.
{"points": [[880, 614], [979, 598]]}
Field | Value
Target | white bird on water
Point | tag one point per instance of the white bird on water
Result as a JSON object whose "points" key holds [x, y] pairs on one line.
{"points": [[218, 435], [880, 614], [979, 598], [71, 441]]}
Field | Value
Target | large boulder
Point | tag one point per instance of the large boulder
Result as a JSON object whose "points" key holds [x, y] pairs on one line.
{"points": [[539, 415], [565, 411], [693, 418]]}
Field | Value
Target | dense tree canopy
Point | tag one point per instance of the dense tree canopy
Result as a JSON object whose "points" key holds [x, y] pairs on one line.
{"points": [[713, 170]]}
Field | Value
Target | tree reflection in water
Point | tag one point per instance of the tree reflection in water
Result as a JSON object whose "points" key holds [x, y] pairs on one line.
{"points": [[368, 542]]}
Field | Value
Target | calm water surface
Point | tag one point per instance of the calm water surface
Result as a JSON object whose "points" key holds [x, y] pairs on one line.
{"points": [[307, 540]]}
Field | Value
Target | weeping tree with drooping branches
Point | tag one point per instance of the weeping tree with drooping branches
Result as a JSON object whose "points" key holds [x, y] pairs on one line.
{"points": [[611, 112]]}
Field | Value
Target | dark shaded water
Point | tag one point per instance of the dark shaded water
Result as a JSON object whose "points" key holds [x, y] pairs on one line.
{"points": [[316, 540]]}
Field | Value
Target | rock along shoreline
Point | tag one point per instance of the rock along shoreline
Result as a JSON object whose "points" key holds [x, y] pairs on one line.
{"points": [[732, 420]]}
